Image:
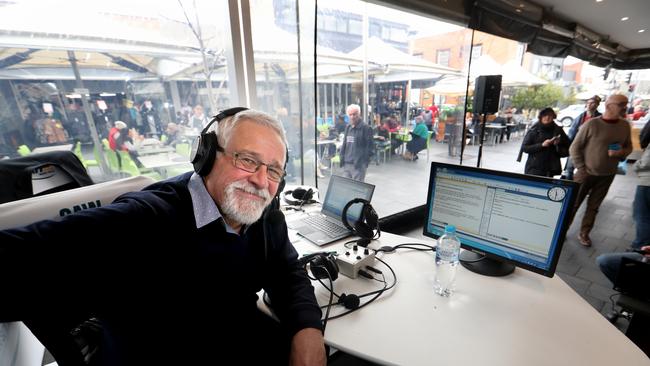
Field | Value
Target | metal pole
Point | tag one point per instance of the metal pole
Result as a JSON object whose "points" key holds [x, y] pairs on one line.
{"points": [[89, 117], [300, 96], [364, 98], [464, 133], [333, 107]]}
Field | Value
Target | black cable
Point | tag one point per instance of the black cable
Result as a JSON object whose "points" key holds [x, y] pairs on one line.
{"points": [[329, 304], [377, 293], [611, 298], [414, 246]]}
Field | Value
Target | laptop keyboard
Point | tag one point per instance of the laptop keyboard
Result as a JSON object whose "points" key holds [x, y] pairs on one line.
{"points": [[325, 226]]}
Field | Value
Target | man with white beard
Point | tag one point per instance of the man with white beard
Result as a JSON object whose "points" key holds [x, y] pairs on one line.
{"points": [[170, 274]]}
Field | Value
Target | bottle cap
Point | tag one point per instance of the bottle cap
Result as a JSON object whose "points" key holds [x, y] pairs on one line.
{"points": [[450, 229]]}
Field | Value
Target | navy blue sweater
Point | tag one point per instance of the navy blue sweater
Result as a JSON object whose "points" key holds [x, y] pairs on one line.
{"points": [[158, 282]]}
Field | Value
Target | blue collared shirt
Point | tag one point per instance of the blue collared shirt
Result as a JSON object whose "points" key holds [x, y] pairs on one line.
{"points": [[205, 209]]}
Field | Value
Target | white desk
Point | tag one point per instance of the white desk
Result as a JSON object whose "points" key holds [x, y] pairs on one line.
{"points": [[44, 149], [521, 319]]}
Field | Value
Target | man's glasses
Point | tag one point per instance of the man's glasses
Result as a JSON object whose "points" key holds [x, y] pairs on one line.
{"points": [[250, 164]]}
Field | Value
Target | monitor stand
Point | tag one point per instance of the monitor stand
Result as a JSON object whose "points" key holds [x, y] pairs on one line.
{"points": [[481, 264]]}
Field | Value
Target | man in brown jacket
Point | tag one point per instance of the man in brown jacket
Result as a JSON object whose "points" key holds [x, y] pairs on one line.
{"points": [[597, 149]]}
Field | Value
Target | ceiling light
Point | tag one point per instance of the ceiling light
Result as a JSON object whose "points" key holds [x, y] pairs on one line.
{"points": [[641, 30], [518, 10], [599, 1], [624, 19]]}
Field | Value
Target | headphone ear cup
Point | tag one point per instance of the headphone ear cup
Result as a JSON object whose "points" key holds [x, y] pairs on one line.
{"points": [[363, 230], [372, 219], [324, 267], [206, 152], [298, 193]]}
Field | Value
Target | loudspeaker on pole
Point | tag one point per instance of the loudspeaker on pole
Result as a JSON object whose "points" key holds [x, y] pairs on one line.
{"points": [[487, 90]]}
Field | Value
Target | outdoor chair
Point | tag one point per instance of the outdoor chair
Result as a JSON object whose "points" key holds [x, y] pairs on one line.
{"points": [[24, 150], [85, 162]]}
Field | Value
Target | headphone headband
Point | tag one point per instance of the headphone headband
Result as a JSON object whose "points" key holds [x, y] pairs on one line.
{"points": [[206, 145], [299, 196], [221, 115]]}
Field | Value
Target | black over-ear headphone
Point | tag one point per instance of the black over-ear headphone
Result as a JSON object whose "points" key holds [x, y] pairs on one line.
{"points": [[205, 147], [321, 264], [367, 226], [299, 196]]}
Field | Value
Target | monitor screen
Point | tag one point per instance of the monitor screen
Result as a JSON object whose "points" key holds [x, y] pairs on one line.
{"points": [[505, 219]]}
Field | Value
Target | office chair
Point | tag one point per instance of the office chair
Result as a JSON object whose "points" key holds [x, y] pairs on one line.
{"points": [[634, 301], [23, 344]]}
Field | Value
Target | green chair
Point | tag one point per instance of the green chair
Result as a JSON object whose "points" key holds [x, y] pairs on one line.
{"points": [[86, 162], [384, 148], [163, 138], [111, 157], [429, 143], [334, 162], [131, 168], [23, 150], [128, 165]]}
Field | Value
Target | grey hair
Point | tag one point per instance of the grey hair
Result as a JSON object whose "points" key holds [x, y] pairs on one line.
{"points": [[226, 126], [353, 106]]}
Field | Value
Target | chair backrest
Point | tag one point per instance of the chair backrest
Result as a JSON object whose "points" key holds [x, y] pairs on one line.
{"points": [[49, 172], [128, 165], [77, 151], [24, 150], [18, 346], [111, 157]]}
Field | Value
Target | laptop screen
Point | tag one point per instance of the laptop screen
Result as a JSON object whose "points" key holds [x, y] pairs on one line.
{"points": [[343, 190]]}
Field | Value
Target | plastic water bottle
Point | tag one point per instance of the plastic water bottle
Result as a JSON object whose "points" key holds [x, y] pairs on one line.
{"points": [[446, 261]]}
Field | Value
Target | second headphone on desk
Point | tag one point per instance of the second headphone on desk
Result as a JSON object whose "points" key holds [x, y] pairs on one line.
{"points": [[367, 226], [321, 264], [299, 196]]}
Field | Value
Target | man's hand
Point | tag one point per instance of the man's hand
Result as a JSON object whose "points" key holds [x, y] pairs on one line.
{"points": [[646, 249], [308, 348]]}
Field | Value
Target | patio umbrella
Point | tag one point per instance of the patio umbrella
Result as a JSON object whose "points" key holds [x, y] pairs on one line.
{"points": [[454, 86], [515, 75]]}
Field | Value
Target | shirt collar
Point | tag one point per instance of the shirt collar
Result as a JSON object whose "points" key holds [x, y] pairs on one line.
{"points": [[205, 209]]}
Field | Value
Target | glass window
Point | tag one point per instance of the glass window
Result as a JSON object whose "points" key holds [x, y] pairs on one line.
{"points": [[341, 25], [385, 32], [284, 79], [397, 34], [330, 22], [477, 50], [443, 57], [355, 26], [154, 68]]}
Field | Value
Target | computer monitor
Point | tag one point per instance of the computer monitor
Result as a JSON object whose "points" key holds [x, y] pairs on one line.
{"points": [[502, 219]]}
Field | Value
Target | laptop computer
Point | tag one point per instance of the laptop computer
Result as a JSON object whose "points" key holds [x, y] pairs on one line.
{"points": [[326, 226]]}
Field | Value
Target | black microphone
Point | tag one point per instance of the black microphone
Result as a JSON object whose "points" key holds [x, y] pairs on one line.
{"points": [[350, 301], [272, 219]]}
